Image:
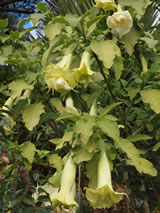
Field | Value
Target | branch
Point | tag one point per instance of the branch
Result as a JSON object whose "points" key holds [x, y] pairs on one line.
{"points": [[16, 10], [5, 2]]}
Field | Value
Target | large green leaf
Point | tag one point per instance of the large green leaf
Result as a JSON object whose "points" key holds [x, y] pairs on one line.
{"points": [[31, 115], [92, 172], [3, 24], [106, 51], [18, 86], [118, 67], [67, 137], [135, 138], [80, 154], [56, 42], [109, 127], [85, 129], [28, 150], [141, 164], [139, 5], [152, 97], [73, 20], [131, 39], [55, 161], [52, 30], [35, 17]]}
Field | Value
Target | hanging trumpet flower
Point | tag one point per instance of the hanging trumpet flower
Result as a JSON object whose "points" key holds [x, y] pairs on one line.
{"points": [[103, 196], [64, 202], [59, 76], [84, 72]]}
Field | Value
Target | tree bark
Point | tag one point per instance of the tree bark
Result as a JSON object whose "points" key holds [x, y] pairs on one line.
{"points": [[6, 2], [14, 10]]}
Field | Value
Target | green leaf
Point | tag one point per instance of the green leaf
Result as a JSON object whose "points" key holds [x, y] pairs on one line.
{"points": [[80, 154], [57, 103], [106, 51], [51, 30], [73, 20], [150, 42], [92, 172], [31, 115], [85, 129], [42, 7], [152, 97], [139, 5], [141, 164], [118, 67], [57, 41], [108, 109], [18, 86], [94, 20], [67, 137], [55, 179], [7, 50], [55, 161], [28, 150], [109, 127], [68, 116], [35, 17], [132, 92], [156, 147], [131, 39], [3, 24], [135, 138], [14, 35]]}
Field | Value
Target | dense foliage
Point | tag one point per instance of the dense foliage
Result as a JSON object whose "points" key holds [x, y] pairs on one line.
{"points": [[79, 118]]}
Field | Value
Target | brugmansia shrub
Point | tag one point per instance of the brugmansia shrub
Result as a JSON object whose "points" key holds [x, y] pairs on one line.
{"points": [[82, 102]]}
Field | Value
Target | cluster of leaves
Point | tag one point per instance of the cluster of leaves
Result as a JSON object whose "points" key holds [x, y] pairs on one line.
{"points": [[118, 107]]}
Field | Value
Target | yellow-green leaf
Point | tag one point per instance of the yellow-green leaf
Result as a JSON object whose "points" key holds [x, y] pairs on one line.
{"points": [[55, 161], [85, 129], [106, 51], [131, 39], [152, 97], [109, 127], [118, 67], [156, 147], [139, 5], [18, 86], [141, 164], [80, 154], [52, 30], [31, 115], [28, 150], [67, 137]]}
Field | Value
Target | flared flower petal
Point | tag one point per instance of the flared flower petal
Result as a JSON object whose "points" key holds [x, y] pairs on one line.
{"points": [[106, 4], [120, 22], [103, 197]]}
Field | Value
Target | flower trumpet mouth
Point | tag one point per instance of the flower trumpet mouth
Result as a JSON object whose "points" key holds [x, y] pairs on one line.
{"points": [[103, 196], [64, 201]]}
